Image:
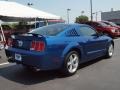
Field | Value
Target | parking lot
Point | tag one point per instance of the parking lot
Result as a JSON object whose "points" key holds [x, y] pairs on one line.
{"points": [[101, 74]]}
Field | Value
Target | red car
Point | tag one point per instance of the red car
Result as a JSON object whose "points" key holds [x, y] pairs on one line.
{"points": [[7, 31], [111, 24], [104, 28]]}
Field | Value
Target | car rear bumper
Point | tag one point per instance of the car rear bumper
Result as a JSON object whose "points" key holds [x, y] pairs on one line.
{"points": [[43, 61]]}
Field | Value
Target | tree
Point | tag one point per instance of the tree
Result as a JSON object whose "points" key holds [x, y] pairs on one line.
{"points": [[81, 19]]}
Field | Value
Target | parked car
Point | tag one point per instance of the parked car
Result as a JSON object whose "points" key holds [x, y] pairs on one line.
{"points": [[104, 28], [112, 24], [7, 31], [59, 46]]}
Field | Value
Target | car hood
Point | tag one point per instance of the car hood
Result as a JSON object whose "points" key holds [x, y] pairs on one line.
{"points": [[117, 27], [109, 27]]}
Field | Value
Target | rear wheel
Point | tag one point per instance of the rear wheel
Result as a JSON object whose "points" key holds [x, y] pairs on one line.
{"points": [[71, 63]]}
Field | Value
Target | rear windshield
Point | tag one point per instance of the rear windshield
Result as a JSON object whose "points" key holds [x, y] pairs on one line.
{"points": [[51, 30]]}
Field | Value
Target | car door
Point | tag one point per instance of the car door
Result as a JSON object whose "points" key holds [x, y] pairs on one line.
{"points": [[95, 44]]}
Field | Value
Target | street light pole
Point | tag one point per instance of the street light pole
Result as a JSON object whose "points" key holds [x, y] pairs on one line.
{"points": [[68, 16], [96, 14], [91, 10]]}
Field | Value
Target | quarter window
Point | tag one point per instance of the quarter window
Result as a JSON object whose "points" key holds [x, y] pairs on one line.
{"points": [[87, 31]]}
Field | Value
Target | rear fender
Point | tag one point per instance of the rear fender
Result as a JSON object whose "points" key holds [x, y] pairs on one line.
{"points": [[70, 47]]}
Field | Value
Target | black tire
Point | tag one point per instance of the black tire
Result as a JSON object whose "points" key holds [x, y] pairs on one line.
{"points": [[110, 51], [66, 68]]}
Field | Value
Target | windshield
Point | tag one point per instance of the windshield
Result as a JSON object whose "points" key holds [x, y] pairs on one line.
{"points": [[50, 30], [103, 24], [113, 24]]}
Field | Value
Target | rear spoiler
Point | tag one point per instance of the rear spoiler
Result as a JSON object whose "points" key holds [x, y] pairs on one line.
{"points": [[25, 36], [37, 35], [33, 34]]}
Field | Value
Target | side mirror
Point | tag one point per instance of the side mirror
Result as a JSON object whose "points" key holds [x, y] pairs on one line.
{"points": [[100, 34]]}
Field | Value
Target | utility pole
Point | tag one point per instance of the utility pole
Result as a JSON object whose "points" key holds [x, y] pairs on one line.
{"points": [[68, 16], [91, 7]]}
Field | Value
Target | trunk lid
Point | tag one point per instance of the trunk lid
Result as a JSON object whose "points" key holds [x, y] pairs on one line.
{"points": [[24, 41]]}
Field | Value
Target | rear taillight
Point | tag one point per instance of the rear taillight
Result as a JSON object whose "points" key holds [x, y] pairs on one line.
{"points": [[9, 42], [37, 46]]}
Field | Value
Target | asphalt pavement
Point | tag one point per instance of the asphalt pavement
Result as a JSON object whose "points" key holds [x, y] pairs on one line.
{"points": [[100, 74], [3, 56]]}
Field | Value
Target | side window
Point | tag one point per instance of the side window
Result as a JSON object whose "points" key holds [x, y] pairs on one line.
{"points": [[86, 31]]}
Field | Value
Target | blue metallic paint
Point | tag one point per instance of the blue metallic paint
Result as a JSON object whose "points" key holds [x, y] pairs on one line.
{"points": [[90, 47]]}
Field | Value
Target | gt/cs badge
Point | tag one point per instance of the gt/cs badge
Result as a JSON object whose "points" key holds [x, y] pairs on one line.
{"points": [[20, 43]]}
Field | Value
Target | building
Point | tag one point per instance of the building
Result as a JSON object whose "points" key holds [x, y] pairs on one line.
{"points": [[113, 16]]}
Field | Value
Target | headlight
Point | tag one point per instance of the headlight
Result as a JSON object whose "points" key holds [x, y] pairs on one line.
{"points": [[113, 30]]}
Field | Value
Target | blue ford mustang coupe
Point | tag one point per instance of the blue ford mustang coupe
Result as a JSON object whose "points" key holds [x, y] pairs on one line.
{"points": [[58, 46]]}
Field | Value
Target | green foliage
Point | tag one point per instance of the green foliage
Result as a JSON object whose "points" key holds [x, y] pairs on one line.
{"points": [[81, 19], [13, 26]]}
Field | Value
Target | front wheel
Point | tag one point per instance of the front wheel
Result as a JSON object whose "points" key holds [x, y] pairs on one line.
{"points": [[71, 63], [110, 51]]}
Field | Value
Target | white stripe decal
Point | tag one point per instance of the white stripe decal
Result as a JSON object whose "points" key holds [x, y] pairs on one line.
{"points": [[4, 63]]}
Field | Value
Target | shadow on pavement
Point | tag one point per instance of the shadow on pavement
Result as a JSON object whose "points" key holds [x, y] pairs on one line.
{"points": [[17, 73]]}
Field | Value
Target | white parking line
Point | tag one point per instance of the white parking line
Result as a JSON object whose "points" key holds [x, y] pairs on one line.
{"points": [[6, 63]]}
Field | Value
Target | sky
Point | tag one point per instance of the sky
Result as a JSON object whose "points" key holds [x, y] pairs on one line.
{"points": [[59, 7]]}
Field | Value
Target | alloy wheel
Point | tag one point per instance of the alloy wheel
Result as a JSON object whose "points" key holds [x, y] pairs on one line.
{"points": [[73, 62]]}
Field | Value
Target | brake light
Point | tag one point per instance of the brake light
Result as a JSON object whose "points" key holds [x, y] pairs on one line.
{"points": [[9, 42], [37, 46]]}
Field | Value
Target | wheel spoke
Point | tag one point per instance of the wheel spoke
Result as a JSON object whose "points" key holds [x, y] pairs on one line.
{"points": [[70, 67], [71, 57], [69, 63], [75, 58], [75, 64]]}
